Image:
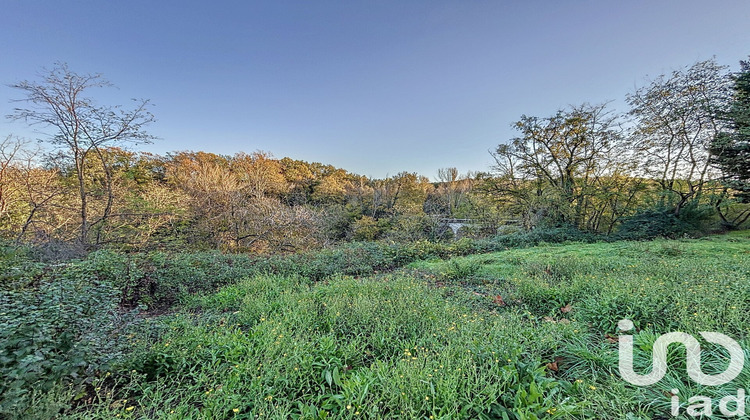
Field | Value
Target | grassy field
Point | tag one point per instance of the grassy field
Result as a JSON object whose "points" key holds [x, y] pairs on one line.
{"points": [[518, 334]]}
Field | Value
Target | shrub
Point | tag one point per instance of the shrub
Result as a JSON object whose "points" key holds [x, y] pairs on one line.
{"points": [[60, 333], [456, 269], [663, 223], [17, 268], [536, 236]]}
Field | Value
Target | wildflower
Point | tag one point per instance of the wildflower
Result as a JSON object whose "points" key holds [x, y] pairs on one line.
{"points": [[236, 410], [131, 408]]}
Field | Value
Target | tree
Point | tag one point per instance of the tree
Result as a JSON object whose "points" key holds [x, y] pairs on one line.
{"points": [[551, 171], [730, 151], [30, 196], [677, 118], [9, 150], [259, 173], [452, 191], [81, 129]]}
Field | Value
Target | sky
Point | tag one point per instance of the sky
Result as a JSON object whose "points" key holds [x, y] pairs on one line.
{"points": [[374, 87]]}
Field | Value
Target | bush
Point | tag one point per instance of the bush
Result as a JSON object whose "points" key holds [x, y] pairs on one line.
{"points": [[459, 270], [560, 234], [17, 268], [663, 223], [60, 333]]}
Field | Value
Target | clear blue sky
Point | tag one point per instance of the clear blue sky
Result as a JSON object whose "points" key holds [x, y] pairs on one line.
{"points": [[375, 87]]}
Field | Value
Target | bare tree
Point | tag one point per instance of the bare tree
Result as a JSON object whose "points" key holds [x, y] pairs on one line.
{"points": [[81, 129]]}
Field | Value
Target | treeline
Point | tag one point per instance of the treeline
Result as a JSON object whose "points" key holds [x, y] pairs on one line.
{"points": [[676, 162], [198, 200]]}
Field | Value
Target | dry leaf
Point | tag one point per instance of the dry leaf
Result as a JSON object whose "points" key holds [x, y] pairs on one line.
{"points": [[554, 365]]}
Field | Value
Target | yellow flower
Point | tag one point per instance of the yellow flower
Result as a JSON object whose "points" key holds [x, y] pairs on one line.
{"points": [[236, 410], [592, 387], [131, 408]]}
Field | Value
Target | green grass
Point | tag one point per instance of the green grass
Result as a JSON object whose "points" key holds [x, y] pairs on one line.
{"points": [[663, 286], [518, 334], [390, 347]]}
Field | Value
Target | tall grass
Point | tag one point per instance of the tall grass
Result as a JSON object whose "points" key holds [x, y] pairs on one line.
{"points": [[280, 347], [525, 333]]}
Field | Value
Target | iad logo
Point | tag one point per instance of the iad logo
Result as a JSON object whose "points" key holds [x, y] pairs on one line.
{"points": [[701, 405], [693, 347]]}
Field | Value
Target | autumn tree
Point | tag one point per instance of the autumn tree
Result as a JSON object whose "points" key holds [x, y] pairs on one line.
{"points": [[33, 205], [82, 129], [139, 202], [259, 174], [10, 148], [235, 203]]}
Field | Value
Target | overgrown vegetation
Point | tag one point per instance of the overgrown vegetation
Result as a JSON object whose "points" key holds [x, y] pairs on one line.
{"points": [[518, 333]]}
